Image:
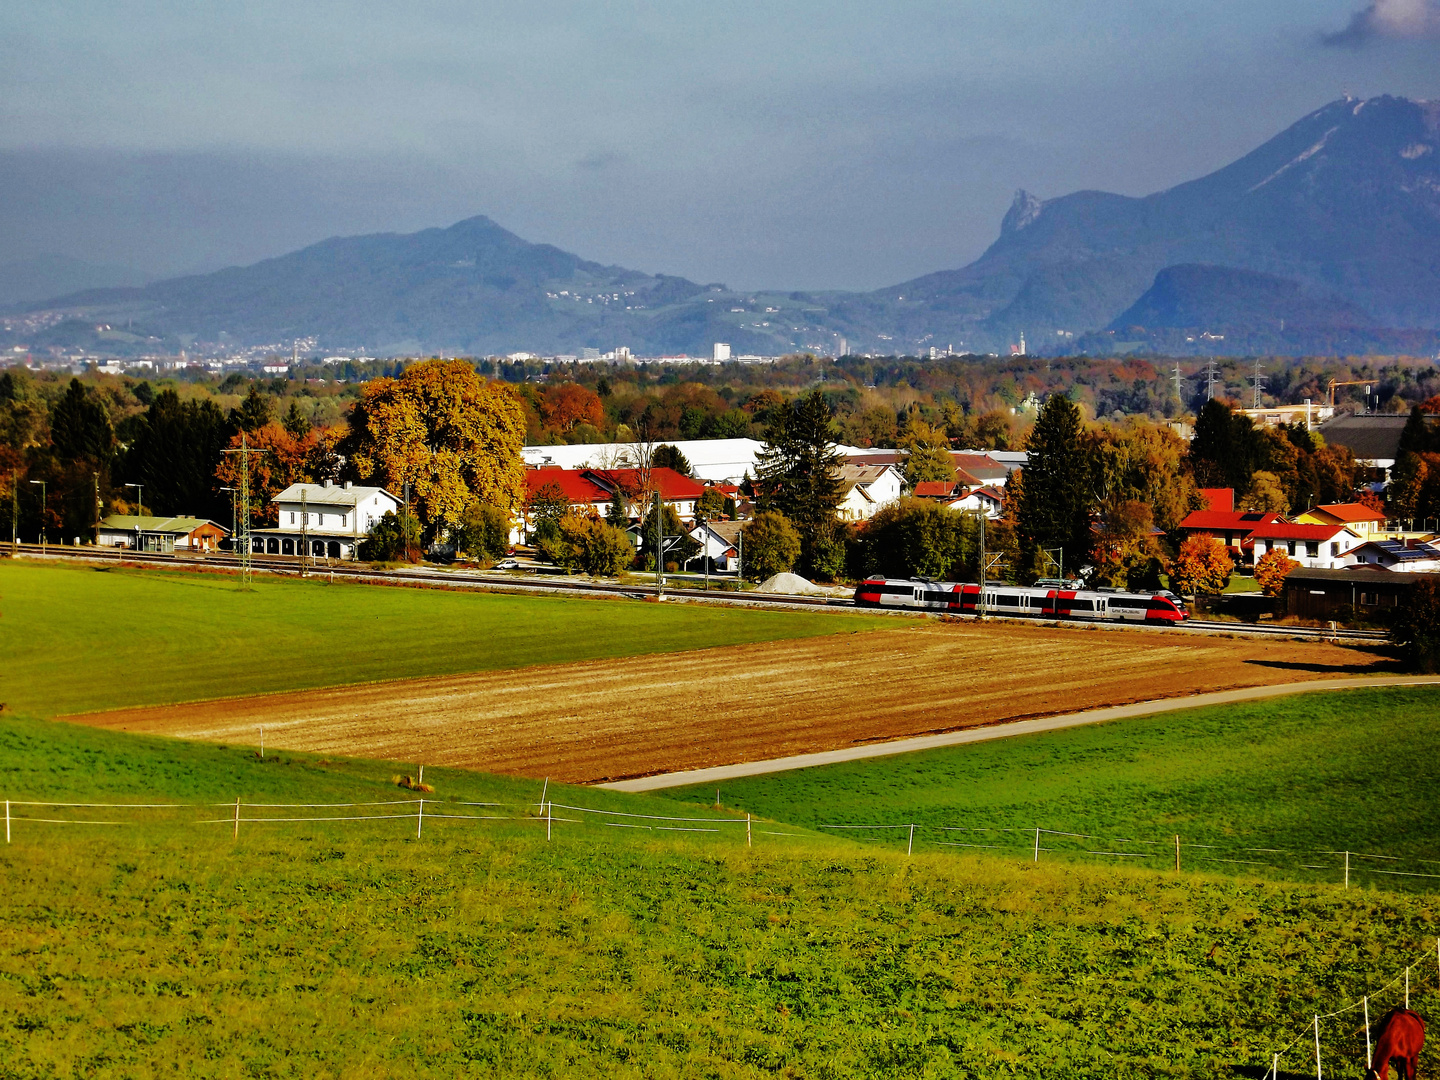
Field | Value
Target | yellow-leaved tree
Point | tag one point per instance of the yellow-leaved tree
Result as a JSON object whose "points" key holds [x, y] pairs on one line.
{"points": [[453, 436]]}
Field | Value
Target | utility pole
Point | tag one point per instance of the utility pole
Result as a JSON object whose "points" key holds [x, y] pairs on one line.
{"points": [[44, 504], [96, 475], [981, 605], [659, 548], [304, 528], [1179, 387], [139, 499], [405, 520], [242, 524], [14, 514], [1210, 374]]}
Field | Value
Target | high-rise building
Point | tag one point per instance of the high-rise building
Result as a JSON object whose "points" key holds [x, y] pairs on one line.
{"points": [[720, 352]]}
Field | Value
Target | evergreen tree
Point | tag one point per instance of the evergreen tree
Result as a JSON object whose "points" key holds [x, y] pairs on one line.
{"points": [[1416, 438], [1222, 454], [296, 422], [1055, 499], [175, 453], [254, 412], [799, 470], [615, 513], [80, 426]]}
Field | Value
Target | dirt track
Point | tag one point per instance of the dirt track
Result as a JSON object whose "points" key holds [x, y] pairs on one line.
{"points": [[605, 720]]}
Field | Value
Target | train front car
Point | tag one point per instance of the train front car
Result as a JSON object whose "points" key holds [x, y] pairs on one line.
{"points": [[1165, 609], [869, 592]]}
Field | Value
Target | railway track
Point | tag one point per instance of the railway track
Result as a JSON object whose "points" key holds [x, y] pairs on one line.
{"points": [[289, 567]]}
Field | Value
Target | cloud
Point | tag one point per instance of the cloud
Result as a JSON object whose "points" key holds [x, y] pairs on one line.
{"points": [[1403, 20]]}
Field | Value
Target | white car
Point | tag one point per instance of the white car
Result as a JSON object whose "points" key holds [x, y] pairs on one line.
{"points": [[508, 564]]}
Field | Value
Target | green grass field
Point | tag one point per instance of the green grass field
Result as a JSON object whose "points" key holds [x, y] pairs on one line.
{"points": [[1353, 770], [78, 638], [353, 949]]}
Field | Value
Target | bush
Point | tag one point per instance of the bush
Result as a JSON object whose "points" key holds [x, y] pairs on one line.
{"points": [[590, 545], [1416, 629], [921, 538], [1272, 570], [483, 533], [771, 546], [386, 542]]}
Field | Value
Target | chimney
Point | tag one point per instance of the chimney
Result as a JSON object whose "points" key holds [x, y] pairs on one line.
{"points": [[329, 484], [347, 485]]}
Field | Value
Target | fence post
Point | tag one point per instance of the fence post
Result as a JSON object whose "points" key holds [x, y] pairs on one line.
{"points": [[543, 792], [7, 836], [910, 847], [1275, 1066], [1319, 1073], [1369, 1054], [1177, 854], [420, 818], [1407, 988], [549, 817], [420, 779], [1037, 843], [237, 817], [747, 830], [1347, 876]]}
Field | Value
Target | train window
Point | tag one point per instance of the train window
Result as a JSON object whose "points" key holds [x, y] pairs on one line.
{"points": [[1082, 605], [1007, 600]]}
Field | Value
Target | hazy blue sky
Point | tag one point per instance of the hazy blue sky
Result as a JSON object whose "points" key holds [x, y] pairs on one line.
{"points": [[761, 142]]}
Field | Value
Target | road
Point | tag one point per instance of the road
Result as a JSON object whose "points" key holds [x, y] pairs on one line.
{"points": [[1002, 731], [504, 582]]}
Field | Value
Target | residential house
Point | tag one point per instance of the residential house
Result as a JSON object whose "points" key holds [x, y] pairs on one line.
{"points": [[939, 489], [1373, 439], [593, 490], [1232, 528], [327, 520], [1316, 547], [1357, 517], [720, 540], [161, 534], [1398, 555], [987, 500], [866, 488]]}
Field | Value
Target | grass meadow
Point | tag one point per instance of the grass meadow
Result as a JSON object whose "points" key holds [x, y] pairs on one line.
{"points": [[1318, 772], [80, 638]]}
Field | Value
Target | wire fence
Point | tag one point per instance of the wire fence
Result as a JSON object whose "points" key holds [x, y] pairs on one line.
{"points": [[1343, 1039], [1034, 844]]}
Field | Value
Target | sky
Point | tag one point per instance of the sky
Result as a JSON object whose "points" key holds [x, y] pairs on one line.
{"points": [[760, 143]]}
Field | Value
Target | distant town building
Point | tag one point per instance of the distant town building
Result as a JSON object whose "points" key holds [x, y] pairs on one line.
{"points": [[720, 352]]}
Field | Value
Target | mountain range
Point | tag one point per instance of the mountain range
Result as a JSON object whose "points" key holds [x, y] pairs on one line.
{"points": [[1325, 238]]}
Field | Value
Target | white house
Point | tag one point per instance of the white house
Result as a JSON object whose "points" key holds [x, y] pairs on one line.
{"points": [[1315, 547], [721, 541], [1415, 557], [987, 500], [330, 519], [866, 488]]}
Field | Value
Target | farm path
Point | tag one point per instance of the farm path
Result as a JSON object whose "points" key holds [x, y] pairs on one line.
{"points": [[607, 720], [1006, 730]]}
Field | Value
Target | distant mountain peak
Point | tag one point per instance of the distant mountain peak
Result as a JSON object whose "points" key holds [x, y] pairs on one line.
{"points": [[1023, 211]]}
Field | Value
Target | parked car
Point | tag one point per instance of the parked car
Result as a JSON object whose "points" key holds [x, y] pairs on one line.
{"points": [[508, 564]]}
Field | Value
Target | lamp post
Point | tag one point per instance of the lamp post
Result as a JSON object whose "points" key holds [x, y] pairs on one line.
{"points": [[44, 502], [139, 498]]}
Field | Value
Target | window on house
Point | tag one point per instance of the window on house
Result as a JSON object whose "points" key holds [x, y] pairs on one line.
{"points": [[1290, 547], [1312, 549], [292, 517]]}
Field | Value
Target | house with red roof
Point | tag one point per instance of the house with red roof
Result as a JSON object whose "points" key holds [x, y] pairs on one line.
{"points": [[1357, 517], [986, 500], [1233, 528], [591, 491], [1316, 547], [938, 489], [1219, 498]]}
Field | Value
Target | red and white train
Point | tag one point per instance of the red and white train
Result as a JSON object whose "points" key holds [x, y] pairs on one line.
{"points": [[1039, 602]]}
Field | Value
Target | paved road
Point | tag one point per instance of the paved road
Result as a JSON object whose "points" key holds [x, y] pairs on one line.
{"points": [[1004, 731]]}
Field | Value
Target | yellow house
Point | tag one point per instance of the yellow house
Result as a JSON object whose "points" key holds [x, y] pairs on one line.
{"points": [[1357, 517]]}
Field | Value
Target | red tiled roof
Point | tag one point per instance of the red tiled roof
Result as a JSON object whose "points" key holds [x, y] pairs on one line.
{"points": [[1284, 530], [1222, 499], [934, 489], [1227, 520], [982, 462], [578, 488], [1348, 512], [668, 482]]}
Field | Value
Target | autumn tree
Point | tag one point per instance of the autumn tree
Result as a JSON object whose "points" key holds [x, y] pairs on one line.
{"points": [[711, 504], [454, 437], [1201, 566], [483, 532], [545, 506], [277, 459], [1271, 571], [1265, 494], [591, 545], [770, 546], [563, 406], [1141, 462], [927, 453], [1127, 552]]}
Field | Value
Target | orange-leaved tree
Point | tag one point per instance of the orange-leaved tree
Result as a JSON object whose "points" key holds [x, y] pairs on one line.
{"points": [[278, 459], [1201, 566], [453, 436], [1272, 570]]}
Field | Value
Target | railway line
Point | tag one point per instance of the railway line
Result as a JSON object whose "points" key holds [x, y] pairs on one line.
{"points": [[290, 567]]}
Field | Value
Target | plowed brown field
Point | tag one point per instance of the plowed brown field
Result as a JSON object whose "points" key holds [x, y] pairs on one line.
{"points": [[606, 720]]}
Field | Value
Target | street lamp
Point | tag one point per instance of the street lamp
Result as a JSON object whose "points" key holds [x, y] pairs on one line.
{"points": [[139, 498], [44, 502]]}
